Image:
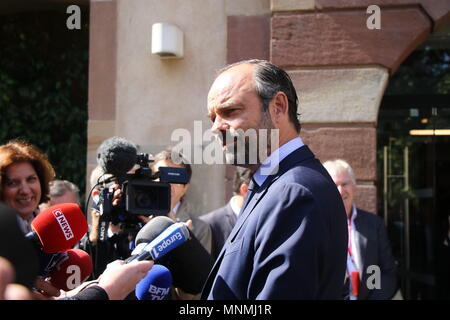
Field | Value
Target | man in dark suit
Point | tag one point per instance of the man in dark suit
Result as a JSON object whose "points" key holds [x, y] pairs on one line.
{"points": [[290, 239], [222, 220], [369, 252]]}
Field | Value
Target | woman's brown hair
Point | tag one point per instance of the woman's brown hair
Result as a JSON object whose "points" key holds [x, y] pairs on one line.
{"points": [[17, 151]]}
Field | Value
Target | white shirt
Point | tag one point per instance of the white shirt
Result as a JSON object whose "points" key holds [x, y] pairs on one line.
{"points": [[354, 242], [270, 164], [236, 209], [177, 206]]}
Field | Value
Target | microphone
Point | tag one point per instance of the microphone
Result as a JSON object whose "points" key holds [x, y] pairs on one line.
{"points": [[152, 229], [190, 263], [47, 261], [116, 156], [155, 285], [73, 269], [58, 227], [166, 241]]}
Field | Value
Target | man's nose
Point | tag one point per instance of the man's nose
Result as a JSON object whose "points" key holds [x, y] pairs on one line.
{"points": [[219, 125]]}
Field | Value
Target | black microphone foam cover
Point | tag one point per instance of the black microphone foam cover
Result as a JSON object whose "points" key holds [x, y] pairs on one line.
{"points": [[117, 156], [190, 265], [16, 248], [152, 229]]}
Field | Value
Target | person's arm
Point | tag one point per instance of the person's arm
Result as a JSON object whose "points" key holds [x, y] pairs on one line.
{"points": [[115, 283], [93, 232]]}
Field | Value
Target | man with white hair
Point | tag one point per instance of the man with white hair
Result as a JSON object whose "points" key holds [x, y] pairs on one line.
{"points": [[369, 252]]}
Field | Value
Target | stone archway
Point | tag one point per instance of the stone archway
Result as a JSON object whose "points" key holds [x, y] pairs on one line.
{"points": [[341, 69]]}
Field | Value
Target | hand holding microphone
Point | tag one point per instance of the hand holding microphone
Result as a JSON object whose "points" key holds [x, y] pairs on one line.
{"points": [[156, 239], [73, 269], [188, 261], [54, 230], [120, 278]]}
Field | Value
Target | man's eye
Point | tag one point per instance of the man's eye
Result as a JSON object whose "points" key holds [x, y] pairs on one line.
{"points": [[229, 112]]}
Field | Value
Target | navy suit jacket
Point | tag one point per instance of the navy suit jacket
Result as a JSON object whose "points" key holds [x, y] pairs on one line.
{"points": [[221, 221], [290, 240], [375, 250]]}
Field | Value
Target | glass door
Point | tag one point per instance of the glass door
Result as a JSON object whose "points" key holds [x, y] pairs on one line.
{"points": [[414, 190]]}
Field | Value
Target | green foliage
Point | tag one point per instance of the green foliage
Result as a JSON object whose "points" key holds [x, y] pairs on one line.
{"points": [[43, 88], [425, 71]]}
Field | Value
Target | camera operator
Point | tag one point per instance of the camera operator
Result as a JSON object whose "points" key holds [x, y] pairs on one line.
{"points": [[134, 193], [180, 208], [120, 240]]}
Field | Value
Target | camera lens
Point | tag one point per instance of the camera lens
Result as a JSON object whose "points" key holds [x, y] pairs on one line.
{"points": [[147, 197], [143, 200]]}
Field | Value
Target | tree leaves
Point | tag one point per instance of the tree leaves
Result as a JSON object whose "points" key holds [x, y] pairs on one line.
{"points": [[43, 88]]}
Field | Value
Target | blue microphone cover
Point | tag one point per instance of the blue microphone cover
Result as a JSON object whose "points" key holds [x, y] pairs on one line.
{"points": [[155, 285]]}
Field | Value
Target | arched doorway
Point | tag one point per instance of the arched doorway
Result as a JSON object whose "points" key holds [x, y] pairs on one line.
{"points": [[413, 156]]}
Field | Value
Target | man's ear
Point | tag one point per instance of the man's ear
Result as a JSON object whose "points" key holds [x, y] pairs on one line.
{"points": [[243, 189], [279, 107]]}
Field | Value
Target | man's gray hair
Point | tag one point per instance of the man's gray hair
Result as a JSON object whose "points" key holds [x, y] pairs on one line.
{"points": [[270, 79], [59, 187], [339, 165]]}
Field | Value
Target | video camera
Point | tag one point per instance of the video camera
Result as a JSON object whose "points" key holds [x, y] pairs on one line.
{"points": [[141, 193]]}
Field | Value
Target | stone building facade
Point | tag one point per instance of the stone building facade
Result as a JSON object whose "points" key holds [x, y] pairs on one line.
{"points": [[339, 66]]}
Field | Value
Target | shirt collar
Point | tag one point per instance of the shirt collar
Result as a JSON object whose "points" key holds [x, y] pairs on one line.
{"points": [[177, 206], [234, 207], [272, 161], [25, 224]]}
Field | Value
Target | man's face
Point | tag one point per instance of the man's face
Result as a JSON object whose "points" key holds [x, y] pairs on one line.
{"points": [[235, 109], [177, 190], [346, 188], [67, 197]]}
